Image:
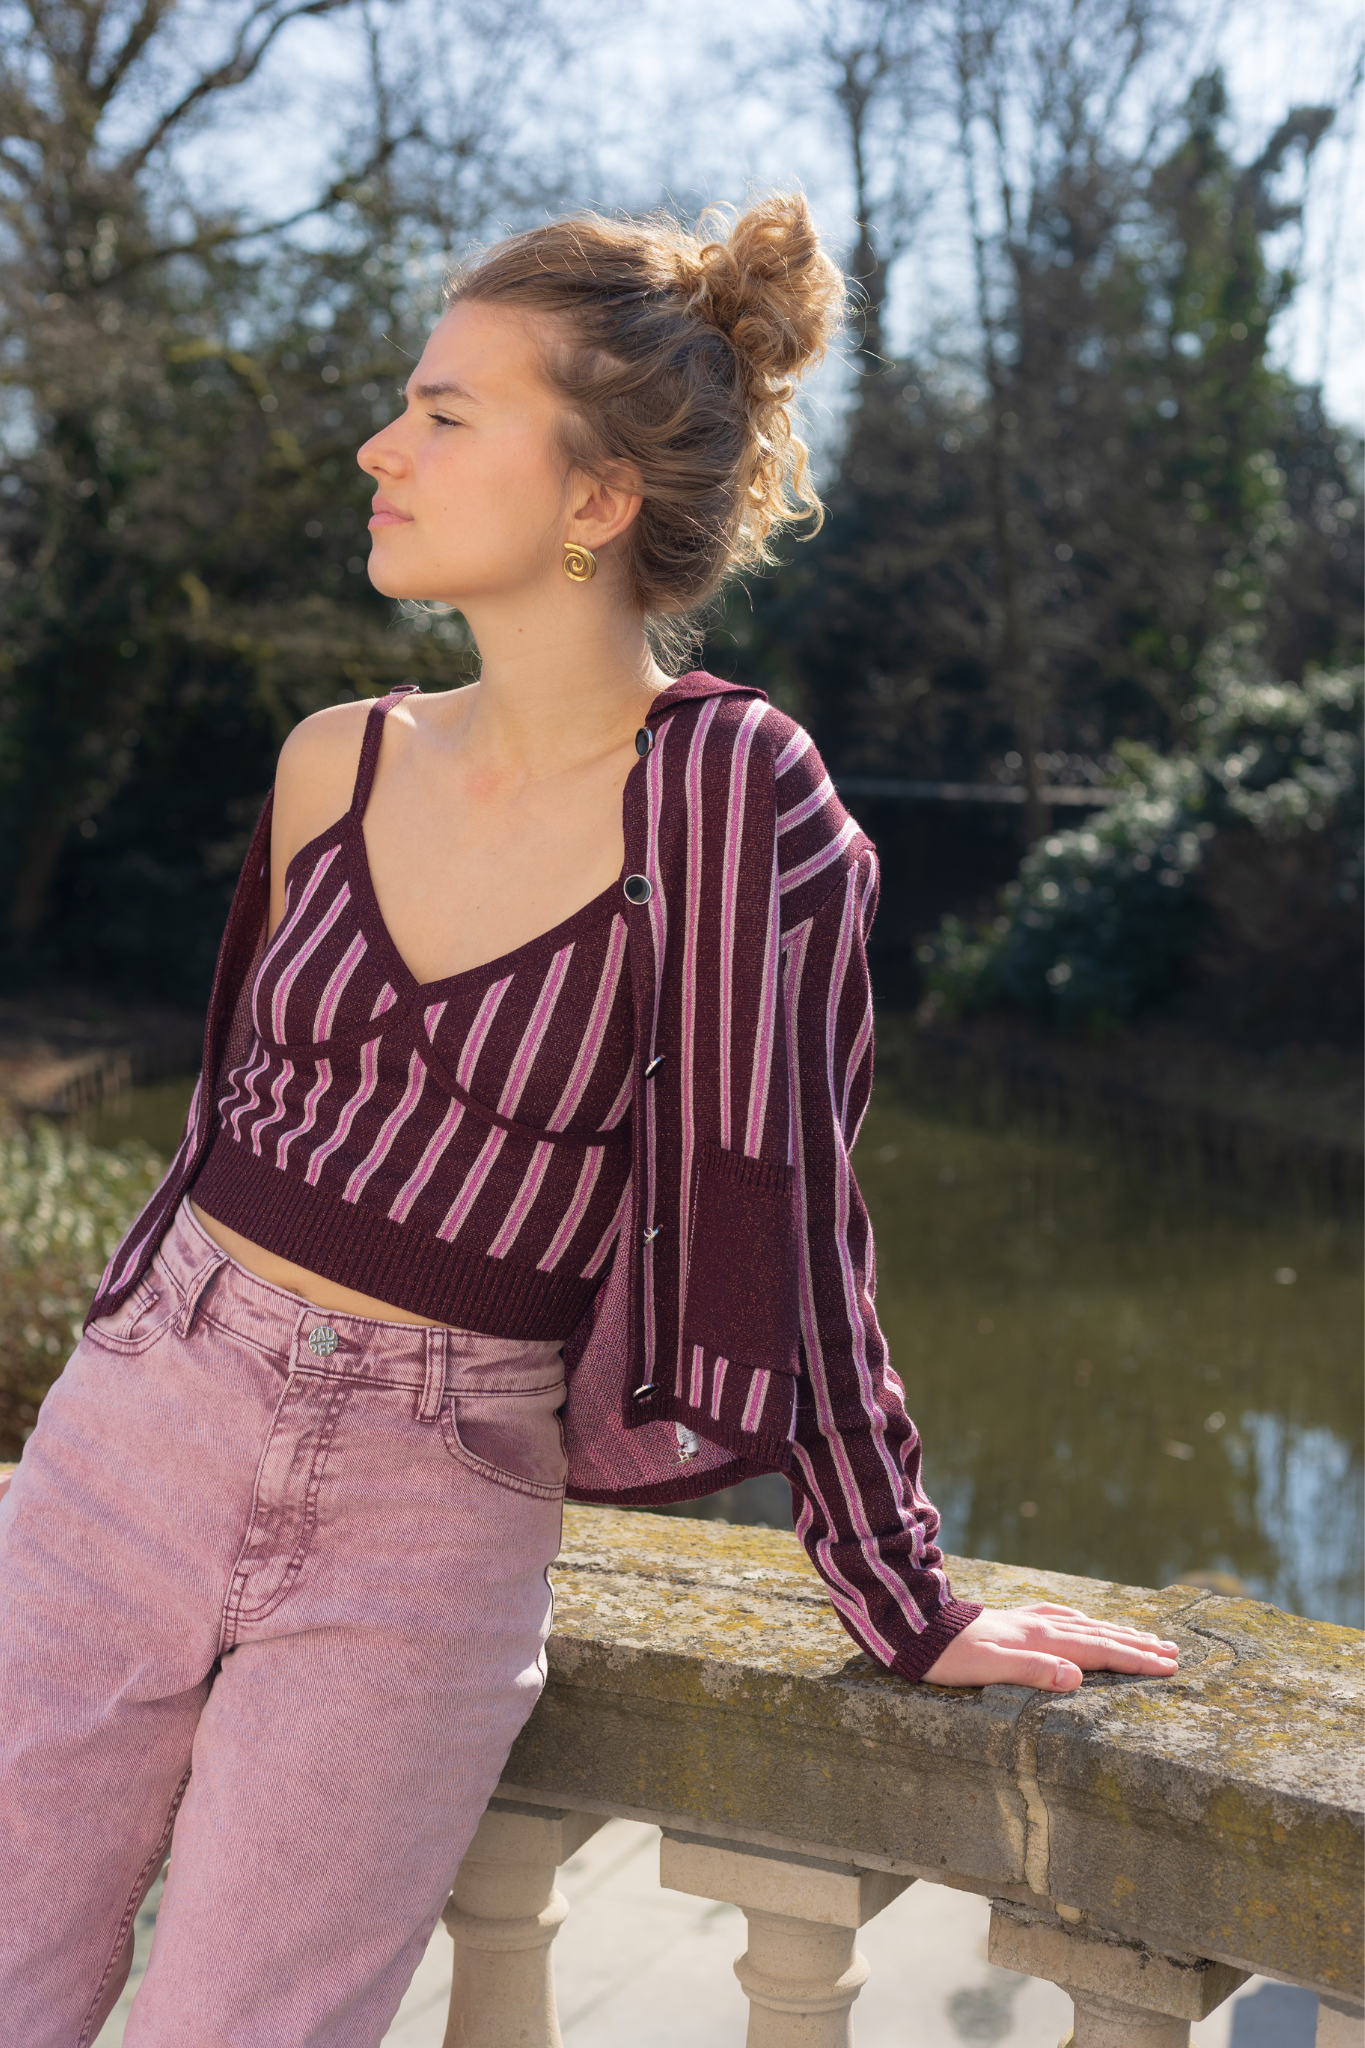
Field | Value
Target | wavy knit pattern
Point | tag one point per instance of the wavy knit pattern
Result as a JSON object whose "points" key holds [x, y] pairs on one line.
{"points": [[438, 1145]]}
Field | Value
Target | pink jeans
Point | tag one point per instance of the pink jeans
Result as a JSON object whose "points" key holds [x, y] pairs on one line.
{"points": [[273, 1594]]}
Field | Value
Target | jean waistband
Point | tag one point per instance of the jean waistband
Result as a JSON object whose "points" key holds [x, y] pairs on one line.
{"points": [[304, 1337]]}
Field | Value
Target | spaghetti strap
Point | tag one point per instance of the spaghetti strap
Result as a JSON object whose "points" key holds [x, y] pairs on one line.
{"points": [[370, 745]]}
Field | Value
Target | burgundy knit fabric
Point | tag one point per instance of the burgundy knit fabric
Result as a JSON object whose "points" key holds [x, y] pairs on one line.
{"points": [[457, 1147], [734, 1330]]}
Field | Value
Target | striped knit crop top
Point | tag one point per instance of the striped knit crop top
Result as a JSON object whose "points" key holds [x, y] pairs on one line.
{"points": [[459, 1147]]}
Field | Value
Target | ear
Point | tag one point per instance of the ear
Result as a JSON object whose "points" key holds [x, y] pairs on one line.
{"points": [[602, 508]]}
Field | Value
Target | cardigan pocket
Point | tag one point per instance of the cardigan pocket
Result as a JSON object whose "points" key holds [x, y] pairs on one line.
{"points": [[741, 1267]]}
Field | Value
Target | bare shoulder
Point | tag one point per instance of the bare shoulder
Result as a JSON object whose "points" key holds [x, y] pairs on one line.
{"points": [[323, 747], [315, 776]]}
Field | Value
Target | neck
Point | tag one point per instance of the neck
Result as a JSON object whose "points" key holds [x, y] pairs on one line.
{"points": [[563, 678]]}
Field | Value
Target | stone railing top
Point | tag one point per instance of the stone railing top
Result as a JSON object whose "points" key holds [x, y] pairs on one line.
{"points": [[699, 1677]]}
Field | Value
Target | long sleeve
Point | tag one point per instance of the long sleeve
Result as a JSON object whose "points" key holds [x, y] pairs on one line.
{"points": [[866, 1522]]}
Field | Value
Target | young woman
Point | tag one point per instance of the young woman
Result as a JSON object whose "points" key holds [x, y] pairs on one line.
{"points": [[539, 1040]]}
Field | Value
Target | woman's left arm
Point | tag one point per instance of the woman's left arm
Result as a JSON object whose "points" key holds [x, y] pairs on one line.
{"points": [[869, 1527]]}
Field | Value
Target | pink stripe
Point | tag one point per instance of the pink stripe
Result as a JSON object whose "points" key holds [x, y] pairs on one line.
{"points": [[236, 1082], [426, 1165], [694, 1391], [620, 1106], [310, 890], [691, 940], [310, 1111], [857, 1515], [251, 1102], [787, 821], [478, 1032], [369, 1077], [531, 1040], [284, 986], [433, 1014], [588, 1175], [760, 1074], [799, 744], [718, 1386], [464, 1067], [753, 1407], [734, 841], [531, 1182], [863, 1037], [596, 1028], [609, 1235], [389, 1129], [458, 1212], [533, 1036], [657, 915], [282, 1080], [534, 1177], [332, 994], [830, 851], [385, 1000]]}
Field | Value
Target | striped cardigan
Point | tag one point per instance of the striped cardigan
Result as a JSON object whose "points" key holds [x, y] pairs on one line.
{"points": [[734, 1332]]}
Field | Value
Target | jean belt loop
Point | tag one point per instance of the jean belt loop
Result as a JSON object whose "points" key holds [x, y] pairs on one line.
{"points": [[434, 1386], [192, 1293]]}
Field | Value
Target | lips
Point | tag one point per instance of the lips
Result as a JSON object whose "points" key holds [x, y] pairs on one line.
{"points": [[385, 514]]}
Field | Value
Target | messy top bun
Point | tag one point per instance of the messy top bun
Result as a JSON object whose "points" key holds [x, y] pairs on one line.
{"points": [[677, 364]]}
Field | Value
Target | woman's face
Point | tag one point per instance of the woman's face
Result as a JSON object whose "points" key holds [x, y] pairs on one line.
{"points": [[471, 499]]}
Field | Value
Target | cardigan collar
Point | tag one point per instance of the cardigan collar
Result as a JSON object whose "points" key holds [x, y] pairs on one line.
{"points": [[696, 684]]}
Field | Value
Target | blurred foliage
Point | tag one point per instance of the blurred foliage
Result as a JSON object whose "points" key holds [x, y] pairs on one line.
{"points": [[1039, 525], [64, 1206], [1237, 863], [1037, 533], [182, 522]]}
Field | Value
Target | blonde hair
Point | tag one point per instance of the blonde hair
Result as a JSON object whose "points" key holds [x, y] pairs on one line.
{"points": [[677, 367]]}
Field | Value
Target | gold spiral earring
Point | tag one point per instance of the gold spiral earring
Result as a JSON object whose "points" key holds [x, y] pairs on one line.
{"points": [[580, 563]]}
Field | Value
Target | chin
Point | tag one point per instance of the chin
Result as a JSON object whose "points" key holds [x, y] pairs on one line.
{"points": [[389, 579]]}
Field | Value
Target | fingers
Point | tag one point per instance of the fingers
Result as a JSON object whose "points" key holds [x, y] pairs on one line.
{"points": [[1077, 1628], [1100, 1650], [1031, 1667]]}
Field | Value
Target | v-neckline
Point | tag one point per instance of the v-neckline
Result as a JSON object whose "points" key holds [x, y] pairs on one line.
{"points": [[371, 915]]}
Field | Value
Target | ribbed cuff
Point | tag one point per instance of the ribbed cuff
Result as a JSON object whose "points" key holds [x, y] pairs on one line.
{"points": [[924, 1651]]}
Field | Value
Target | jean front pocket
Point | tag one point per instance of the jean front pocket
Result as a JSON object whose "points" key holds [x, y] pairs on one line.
{"points": [[513, 1439], [137, 1322]]}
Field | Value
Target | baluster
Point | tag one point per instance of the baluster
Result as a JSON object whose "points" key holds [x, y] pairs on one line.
{"points": [[1124, 1994], [800, 1971], [503, 1915]]}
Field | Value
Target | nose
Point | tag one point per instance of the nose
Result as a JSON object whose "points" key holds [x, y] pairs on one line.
{"points": [[382, 454]]}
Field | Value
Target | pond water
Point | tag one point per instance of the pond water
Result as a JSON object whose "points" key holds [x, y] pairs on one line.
{"points": [[1120, 1372]]}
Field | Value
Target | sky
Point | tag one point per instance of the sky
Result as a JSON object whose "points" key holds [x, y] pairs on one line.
{"points": [[641, 116]]}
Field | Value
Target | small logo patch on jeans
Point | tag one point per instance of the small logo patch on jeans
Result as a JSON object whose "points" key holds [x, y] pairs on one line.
{"points": [[323, 1341]]}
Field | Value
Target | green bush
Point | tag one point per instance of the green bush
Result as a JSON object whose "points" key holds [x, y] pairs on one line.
{"points": [[1246, 848], [64, 1205]]}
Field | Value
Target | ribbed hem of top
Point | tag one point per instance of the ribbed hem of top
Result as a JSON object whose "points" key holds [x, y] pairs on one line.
{"points": [[923, 1653], [366, 1251]]}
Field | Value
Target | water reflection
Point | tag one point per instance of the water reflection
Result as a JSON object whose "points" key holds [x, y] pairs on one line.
{"points": [[1115, 1374]]}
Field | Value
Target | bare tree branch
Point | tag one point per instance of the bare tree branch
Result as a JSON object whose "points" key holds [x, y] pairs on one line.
{"points": [[245, 59]]}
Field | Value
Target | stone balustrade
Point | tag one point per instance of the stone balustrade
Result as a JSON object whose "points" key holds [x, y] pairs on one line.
{"points": [[1145, 1844]]}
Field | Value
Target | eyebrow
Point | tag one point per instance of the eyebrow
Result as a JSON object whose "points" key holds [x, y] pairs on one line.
{"points": [[447, 389]]}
